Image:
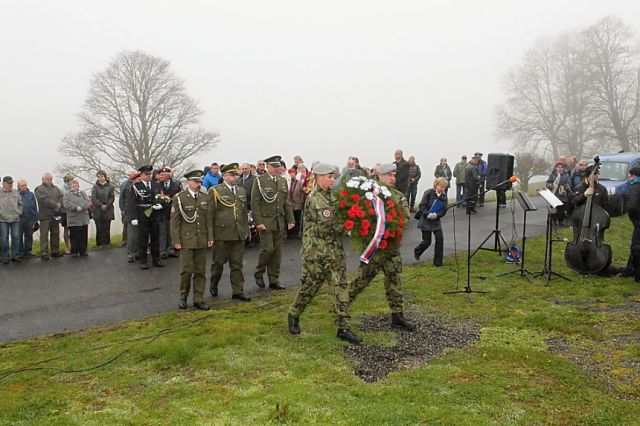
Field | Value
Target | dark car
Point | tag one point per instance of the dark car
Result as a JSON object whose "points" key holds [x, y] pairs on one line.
{"points": [[613, 173]]}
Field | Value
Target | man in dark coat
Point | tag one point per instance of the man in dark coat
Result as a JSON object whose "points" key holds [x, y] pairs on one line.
{"points": [[143, 211], [169, 189], [472, 183], [402, 172]]}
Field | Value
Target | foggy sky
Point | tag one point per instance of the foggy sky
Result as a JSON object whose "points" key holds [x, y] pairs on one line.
{"points": [[321, 79]]}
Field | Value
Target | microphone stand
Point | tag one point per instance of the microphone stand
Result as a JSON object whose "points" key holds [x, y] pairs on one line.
{"points": [[467, 288]]}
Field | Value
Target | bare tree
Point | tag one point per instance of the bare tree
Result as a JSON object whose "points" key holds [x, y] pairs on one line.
{"points": [[615, 64], [137, 112], [528, 165], [532, 114]]}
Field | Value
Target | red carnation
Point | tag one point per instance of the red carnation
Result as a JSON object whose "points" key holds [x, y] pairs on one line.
{"points": [[386, 234], [392, 234], [393, 212], [344, 193], [364, 232], [383, 244], [367, 203], [365, 224], [390, 203], [351, 213], [342, 204], [401, 222], [372, 212], [360, 213], [389, 218], [348, 224], [355, 198], [401, 212]]}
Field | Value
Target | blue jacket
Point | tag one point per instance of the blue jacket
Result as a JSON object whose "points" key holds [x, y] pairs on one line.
{"points": [[29, 205], [211, 180]]}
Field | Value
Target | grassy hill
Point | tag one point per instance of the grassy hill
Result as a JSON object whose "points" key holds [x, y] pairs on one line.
{"points": [[523, 353]]}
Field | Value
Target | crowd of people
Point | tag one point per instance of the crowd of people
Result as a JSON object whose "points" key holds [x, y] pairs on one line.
{"points": [[231, 206]]}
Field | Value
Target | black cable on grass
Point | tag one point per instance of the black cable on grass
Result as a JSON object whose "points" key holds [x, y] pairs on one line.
{"points": [[151, 337]]}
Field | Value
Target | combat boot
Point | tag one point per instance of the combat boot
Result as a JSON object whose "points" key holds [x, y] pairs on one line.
{"points": [[294, 324], [399, 321], [349, 336]]}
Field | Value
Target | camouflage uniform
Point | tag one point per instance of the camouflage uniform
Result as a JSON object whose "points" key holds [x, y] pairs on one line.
{"points": [[390, 263], [323, 258]]}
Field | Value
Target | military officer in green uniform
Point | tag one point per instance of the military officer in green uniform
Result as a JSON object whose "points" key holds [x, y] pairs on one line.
{"points": [[323, 258], [230, 228], [192, 234], [388, 261], [273, 216]]}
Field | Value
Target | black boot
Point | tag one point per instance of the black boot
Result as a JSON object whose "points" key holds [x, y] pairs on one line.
{"points": [[294, 324], [399, 321], [349, 336]]}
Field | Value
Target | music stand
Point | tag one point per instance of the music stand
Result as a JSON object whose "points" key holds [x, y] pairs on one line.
{"points": [[499, 238], [547, 271], [527, 206]]}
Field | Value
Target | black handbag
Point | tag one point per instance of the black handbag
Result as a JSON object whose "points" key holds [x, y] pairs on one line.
{"points": [[418, 215]]}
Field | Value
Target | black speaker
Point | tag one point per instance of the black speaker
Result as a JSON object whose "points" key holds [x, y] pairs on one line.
{"points": [[499, 168]]}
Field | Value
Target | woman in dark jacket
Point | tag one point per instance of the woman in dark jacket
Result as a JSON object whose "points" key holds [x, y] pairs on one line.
{"points": [[102, 197], [559, 183], [429, 219]]}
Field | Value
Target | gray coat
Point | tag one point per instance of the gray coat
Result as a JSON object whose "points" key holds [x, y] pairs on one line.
{"points": [[103, 195], [73, 199], [10, 205]]}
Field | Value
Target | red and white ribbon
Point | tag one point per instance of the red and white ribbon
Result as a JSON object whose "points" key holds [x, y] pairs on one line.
{"points": [[369, 251]]}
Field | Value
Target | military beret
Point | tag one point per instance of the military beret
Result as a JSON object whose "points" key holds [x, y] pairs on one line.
{"points": [[386, 168], [324, 169], [194, 175], [146, 169], [274, 161], [230, 168]]}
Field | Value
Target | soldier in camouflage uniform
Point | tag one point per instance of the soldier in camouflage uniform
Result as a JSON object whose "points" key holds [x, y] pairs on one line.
{"points": [[230, 228], [323, 258], [192, 234], [273, 217], [388, 261]]}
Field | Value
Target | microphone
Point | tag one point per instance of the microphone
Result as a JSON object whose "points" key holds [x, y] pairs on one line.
{"points": [[512, 179]]}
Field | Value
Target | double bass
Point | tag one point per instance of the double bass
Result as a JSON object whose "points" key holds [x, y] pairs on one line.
{"points": [[588, 253]]}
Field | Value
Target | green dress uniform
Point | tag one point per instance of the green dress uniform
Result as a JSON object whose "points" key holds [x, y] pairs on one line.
{"points": [[389, 262], [190, 227], [271, 207], [323, 258], [230, 226]]}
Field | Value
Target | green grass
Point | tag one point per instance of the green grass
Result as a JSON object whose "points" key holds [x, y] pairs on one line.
{"points": [[238, 365]]}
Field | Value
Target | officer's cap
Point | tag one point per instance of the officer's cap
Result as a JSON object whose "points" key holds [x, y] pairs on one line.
{"points": [[166, 170], [230, 168], [194, 175], [274, 161], [324, 169], [146, 169], [386, 168]]}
